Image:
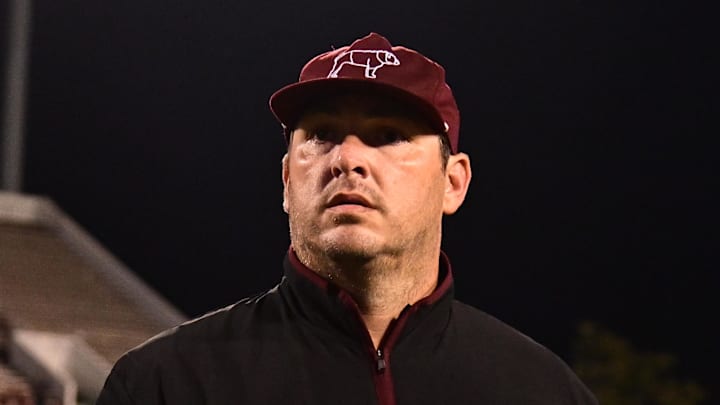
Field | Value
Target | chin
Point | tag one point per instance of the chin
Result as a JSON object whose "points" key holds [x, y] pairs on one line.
{"points": [[350, 245]]}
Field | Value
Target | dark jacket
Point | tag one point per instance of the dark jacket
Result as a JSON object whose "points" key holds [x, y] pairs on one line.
{"points": [[303, 342]]}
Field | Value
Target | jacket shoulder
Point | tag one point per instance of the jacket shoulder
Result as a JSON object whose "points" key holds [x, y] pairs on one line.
{"points": [[512, 356], [168, 358], [221, 324], [480, 325]]}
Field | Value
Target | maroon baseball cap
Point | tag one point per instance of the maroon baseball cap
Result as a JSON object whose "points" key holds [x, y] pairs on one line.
{"points": [[373, 63]]}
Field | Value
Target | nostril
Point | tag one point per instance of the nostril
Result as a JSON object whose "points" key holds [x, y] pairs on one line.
{"points": [[336, 171]]}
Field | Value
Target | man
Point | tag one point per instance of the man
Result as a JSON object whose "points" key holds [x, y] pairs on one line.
{"points": [[365, 312]]}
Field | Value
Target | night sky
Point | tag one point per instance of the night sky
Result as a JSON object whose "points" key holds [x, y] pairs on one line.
{"points": [[587, 124]]}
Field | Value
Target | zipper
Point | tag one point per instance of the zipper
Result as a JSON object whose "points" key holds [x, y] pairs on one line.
{"points": [[383, 374], [380, 358], [382, 377]]}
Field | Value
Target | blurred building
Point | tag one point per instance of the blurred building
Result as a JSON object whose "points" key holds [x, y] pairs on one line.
{"points": [[68, 308]]}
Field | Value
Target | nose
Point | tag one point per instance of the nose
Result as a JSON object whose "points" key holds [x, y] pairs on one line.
{"points": [[350, 157]]}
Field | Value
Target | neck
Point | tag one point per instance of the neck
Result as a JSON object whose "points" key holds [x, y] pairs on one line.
{"points": [[379, 308], [382, 287]]}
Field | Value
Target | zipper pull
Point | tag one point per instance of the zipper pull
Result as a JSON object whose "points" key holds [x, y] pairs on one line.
{"points": [[380, 361]]}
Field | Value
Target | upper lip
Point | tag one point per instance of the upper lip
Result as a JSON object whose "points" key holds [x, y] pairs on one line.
{"points": [[349, 198]]}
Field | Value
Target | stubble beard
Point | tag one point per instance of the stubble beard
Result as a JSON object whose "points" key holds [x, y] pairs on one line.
{"points": [[355, 259], [331, 250]]}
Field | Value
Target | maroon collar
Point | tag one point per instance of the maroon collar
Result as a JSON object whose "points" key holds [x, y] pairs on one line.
{"points": [[327, 306]]}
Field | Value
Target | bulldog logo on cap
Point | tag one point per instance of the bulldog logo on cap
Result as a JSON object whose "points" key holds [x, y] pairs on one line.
{"points": [[371, 60]]}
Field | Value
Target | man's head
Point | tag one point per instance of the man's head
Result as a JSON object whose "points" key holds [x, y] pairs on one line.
{"points": [[365, 176]]}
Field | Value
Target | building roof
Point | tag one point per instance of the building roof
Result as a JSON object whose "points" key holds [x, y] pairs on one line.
{"points": [[55, 277]]}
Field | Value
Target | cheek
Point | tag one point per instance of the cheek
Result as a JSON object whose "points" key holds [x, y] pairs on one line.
{"points": [[422, 191], [303, 181]]}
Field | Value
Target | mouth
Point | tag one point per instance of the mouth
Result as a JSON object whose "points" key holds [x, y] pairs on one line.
{"points": [[348, 199]]}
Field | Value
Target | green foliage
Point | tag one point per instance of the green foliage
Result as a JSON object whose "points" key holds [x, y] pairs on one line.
{"points": [[620, 375]]}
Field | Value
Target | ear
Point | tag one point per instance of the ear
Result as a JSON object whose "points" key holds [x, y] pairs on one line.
{"points": [[285, 182], [457, 181]]}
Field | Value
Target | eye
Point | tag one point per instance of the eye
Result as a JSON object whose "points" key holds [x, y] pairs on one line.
{"points": [[388, 135], [323, 134]]}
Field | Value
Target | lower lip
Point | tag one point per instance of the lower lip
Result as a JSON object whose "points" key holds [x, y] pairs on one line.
{"points": [[348, 208]]}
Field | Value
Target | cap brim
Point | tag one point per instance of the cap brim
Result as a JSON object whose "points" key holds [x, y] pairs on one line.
{"points": [[290, 102]]}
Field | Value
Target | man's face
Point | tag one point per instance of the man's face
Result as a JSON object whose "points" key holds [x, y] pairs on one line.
{"points": [[363, 178]]}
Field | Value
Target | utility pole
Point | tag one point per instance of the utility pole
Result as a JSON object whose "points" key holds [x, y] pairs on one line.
{"points": [[13, 118]]}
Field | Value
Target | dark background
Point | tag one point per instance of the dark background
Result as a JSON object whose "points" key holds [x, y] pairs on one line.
{"points": [[588, 126]]}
